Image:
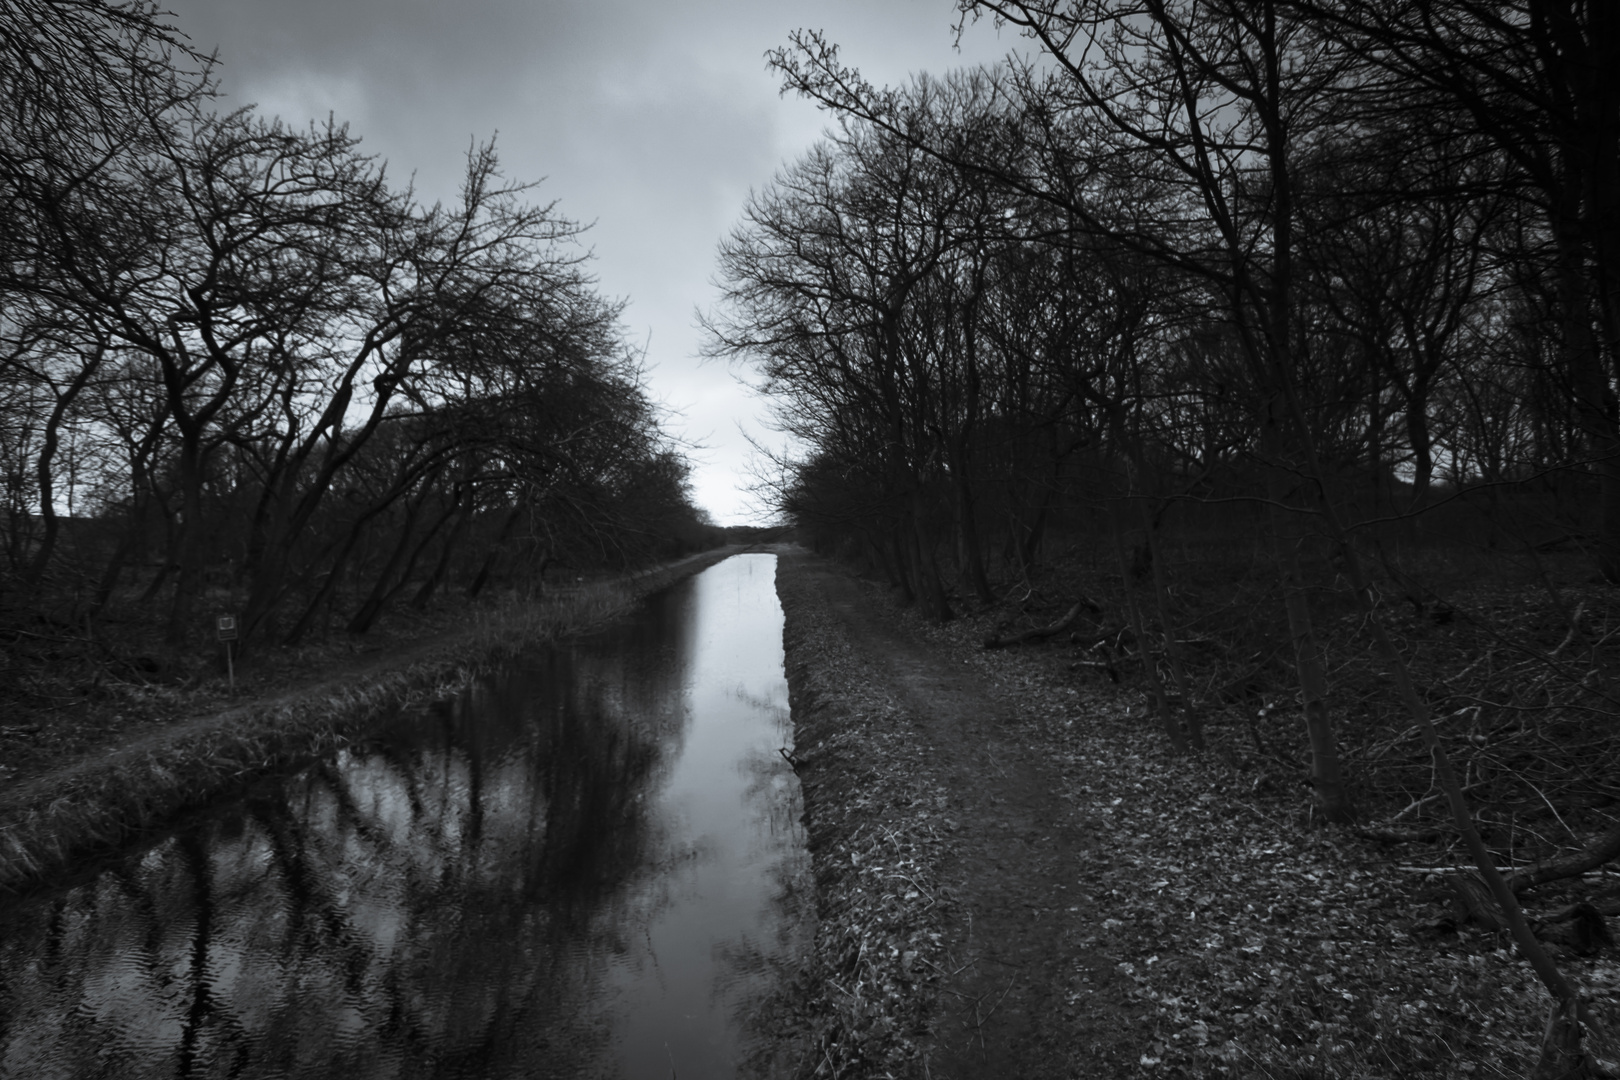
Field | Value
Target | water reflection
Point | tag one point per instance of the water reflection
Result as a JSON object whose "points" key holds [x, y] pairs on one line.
{"points": [[588, 867]]}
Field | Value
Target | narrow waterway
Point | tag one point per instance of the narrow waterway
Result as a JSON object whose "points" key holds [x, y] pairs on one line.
{"points": [[591, 865]]}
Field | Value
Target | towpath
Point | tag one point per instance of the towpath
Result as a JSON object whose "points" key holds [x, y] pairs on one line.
{"points": [[1018, 994]]}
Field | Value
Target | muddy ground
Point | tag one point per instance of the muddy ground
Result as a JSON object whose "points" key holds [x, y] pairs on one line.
{"points": [[1016, 879]]}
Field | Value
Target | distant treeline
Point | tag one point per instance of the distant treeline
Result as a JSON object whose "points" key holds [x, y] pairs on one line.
{"points": [[239, 361]]}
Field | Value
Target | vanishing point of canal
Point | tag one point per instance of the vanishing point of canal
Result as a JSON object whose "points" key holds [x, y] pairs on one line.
{"points": [[590, 865]]}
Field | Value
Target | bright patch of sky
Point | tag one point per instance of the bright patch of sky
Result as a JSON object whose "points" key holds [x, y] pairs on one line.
{"points": [[649, 119]]}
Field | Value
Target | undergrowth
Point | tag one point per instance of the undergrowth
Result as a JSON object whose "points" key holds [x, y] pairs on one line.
{"points": [[1512, 654], [1267, 944]]}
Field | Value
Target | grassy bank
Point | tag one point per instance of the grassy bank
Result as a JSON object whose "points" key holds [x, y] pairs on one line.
{"points": [[94, 802]]}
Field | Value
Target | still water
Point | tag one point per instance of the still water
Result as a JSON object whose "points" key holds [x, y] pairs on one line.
{"points": [[590, 865]]}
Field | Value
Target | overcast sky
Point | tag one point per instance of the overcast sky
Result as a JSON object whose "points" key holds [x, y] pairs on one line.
{"points": [[651, 119]]}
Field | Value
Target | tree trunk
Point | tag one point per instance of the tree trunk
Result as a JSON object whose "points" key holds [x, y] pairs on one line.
{"points": [[1603, 849], [904, 577], [47, 494], [488, 566], [1029, 545], [1172, 650], [1150, 667], [403, 578], [930, 589], [970, 552], [328, 588], [1595, 404], [382, 588], [1417, 433], [1327, 772], [188, 545], [171, 534], [112, 571], [133, 539], [441, 568], [47, 498]]}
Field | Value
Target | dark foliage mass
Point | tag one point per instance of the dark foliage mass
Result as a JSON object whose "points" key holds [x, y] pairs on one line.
{"points": [[242, 371], [1279, 304]]}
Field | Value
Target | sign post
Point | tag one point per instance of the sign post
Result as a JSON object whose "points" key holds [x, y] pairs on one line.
{"points": [[227, 634]]}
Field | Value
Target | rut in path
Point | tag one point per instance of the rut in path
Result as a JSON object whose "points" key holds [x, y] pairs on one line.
{"points": [[1015, 861]]}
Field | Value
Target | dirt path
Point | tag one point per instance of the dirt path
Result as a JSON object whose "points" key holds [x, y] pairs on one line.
{"points": [[1014, 994]]}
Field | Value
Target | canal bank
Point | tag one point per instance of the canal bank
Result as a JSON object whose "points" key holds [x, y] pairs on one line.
{"points": [[78, 806]]}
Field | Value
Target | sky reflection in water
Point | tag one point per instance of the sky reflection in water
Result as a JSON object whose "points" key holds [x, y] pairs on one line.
{"points": [[590, 866]]}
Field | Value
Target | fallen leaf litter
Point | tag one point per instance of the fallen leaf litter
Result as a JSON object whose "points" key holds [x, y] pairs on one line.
{"points": [[1255, 945]]}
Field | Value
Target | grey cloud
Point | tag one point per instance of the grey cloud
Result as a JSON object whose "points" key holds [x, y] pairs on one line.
{"points": [[652, 119]]}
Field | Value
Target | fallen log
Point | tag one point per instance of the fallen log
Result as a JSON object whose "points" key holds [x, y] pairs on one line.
{"points": [[1579, 927], [1388, 835], [1116, 637], [1042, 632], [1603, 848], [1472, 901]]}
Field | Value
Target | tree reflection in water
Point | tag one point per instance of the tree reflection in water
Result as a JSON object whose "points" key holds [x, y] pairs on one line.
{"points": [[453, 900]]}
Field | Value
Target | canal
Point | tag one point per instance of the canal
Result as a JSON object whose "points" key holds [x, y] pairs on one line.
{"points": [[589, 865]]}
